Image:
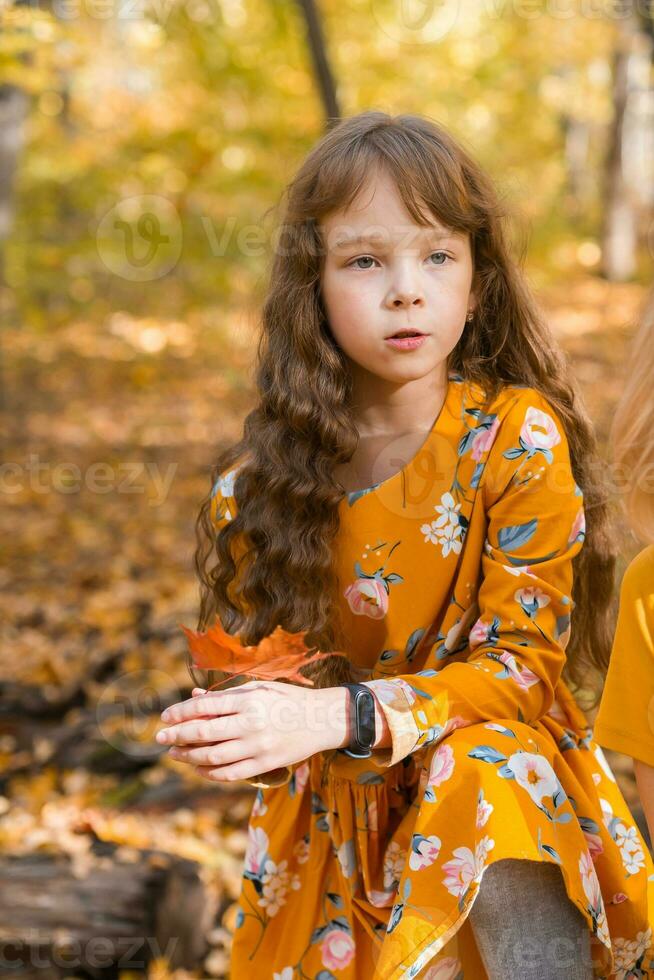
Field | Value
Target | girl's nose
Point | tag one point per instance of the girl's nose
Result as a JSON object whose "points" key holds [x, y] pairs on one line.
{"points": [[405, 288], [405, 294], [407, 298]]}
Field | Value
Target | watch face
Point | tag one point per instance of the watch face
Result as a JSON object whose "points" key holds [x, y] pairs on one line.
{"points": [[364, 731]]}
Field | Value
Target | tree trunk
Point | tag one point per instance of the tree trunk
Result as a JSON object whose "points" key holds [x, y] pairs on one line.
{"points": [[321, 67], [13, 110], [627, 177]]}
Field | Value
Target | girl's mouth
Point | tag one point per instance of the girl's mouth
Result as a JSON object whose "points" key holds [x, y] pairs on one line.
{"points": [[406, 340]]}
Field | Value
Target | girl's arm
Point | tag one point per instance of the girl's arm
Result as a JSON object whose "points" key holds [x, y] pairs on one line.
{"points": [[517, 645], [645, 783]]}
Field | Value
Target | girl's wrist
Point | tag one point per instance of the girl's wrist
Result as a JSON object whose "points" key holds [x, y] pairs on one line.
{"points": [[334, 717], [335, 710]]}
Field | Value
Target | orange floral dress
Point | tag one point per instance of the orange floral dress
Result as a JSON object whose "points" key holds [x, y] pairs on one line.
{"points": [[456, 582]]}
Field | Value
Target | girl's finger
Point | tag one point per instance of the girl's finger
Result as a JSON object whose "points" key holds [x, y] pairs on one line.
{"points": [[214, 703], [207, 729], [232, 773], [215, 754]]}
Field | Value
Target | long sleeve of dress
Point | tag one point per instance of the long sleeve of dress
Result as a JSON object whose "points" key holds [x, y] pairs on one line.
{"points": [[516, 647], [626, 711], [223, 509]]}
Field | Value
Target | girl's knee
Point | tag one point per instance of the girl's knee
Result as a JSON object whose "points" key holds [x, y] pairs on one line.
{"points": [[525, 879], [524, 922]]}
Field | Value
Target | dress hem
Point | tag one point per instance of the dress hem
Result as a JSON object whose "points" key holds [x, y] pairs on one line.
{"points": [[626, 743]]}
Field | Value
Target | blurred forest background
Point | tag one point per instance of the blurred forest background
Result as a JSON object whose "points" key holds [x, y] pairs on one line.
{"points": [[143, 147]]}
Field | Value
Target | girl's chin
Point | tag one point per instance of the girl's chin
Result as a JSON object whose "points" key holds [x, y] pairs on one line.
{"points": [[399, 366]]}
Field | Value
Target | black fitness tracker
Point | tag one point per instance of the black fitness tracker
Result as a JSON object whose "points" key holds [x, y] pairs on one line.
{"points": [[362, 721]]}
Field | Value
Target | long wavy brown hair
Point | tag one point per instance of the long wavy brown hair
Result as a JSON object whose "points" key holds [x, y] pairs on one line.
{"points": [[303, 423]]}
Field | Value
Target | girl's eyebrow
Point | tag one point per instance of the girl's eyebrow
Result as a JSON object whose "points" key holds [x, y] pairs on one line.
{"points": [[430, 233]]}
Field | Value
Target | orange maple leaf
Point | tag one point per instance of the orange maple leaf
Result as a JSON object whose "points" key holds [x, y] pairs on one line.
{"points": [[280, 654]]}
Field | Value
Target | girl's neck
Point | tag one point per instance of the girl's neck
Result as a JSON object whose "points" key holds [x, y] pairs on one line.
{"points": [[381, 454], [385, 410]]}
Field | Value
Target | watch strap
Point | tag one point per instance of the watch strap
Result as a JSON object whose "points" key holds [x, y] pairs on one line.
{"points": [[362, 721]]}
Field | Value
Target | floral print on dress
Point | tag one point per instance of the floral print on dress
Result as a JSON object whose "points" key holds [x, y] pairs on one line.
{"points": [[448, 530], [476, 443], [223, 489], [368, 595], [466, 867], [627, 838], [578, 530], [593, 891], [441, 769], [538, 434]]}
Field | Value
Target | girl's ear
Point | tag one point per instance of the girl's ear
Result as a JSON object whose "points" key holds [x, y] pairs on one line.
{"points": [[473, 297], [472, 307], [472, 300]]}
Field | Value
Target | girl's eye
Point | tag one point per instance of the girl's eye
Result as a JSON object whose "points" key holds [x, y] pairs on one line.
{"points": [[368, 258], [443, 254], [363, 258]]}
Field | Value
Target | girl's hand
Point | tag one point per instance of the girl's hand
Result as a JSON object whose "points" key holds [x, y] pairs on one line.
{"points": [[259, 726]]}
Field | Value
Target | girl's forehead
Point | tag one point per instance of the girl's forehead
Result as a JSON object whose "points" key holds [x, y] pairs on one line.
{"points": [[377, 190], [379, 219]]}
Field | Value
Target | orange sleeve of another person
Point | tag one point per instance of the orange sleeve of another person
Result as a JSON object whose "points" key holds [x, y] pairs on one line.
{"points": [[625, 718]]}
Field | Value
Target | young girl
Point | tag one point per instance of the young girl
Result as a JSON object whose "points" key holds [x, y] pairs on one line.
{"points": [[417, 504], [625, 719]]}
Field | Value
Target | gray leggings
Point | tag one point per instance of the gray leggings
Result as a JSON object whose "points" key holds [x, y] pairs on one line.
{"points": [[526, 927]]}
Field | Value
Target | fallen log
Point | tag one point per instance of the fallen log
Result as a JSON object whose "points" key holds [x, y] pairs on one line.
{"points": [[119, 915]]}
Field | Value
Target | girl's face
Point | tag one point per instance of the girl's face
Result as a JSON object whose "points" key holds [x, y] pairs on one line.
{"points": [[396, 275]]}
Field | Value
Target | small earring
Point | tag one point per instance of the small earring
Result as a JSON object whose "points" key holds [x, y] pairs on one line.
{"points": [[470, 316]]}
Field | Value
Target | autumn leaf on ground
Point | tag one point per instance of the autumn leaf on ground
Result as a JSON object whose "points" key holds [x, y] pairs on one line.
{"points": [[278, 655]]}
